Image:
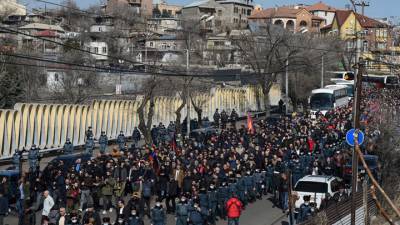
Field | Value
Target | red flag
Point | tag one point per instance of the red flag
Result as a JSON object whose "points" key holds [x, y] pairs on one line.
{"points": [[250, 123]]}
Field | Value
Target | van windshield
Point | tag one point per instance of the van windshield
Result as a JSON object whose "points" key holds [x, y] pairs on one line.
{"points": [[321, 101], [313, 187]]}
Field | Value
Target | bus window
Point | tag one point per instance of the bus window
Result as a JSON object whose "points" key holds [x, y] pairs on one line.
{"points": [[321, 101], [392, 80]]}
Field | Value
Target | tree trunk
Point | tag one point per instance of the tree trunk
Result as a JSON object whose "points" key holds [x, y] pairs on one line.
{"points": [[144, 127], [178, 114], [198, 110]]}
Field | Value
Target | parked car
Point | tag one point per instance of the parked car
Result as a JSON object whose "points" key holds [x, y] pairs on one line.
{"points": [[316, 186], [372, 162]]}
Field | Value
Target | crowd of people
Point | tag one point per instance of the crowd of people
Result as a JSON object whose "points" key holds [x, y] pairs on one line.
{"points": [[199, 181]]}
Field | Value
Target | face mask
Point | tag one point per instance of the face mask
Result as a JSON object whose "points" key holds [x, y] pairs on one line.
{"points": [[158, 204], [120, 221], [74, 220]]}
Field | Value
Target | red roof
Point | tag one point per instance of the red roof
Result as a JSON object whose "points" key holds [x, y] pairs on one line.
{"points": [[320, 6], [46, 33], [365, 22], [280, 12]]}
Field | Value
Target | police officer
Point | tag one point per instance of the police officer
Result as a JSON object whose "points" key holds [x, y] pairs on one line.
{"points": [[17, 159], [89, 145], [182, 211], [121, 141], [89, 133], [103, 141], [33, 157], [68, 147], [134, 218], [158, 216], [234, 116], [269, 173], [240, 187], [216, 118], [136, 136], [297, 171], [195, 216], [203, 197], [259, 183], [223, 194], [212, 204], [249, 186], [305, 210]]}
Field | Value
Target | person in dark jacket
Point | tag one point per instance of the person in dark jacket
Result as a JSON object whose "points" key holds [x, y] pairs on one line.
{"points": [[91, 215], [134, 219], [122, 211], [136, 136], [195, 216], [172, 193], [3, 207], [158, 216], [68, 147], [121, 141]]}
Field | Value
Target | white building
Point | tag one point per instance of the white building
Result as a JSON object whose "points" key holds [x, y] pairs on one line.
{"points": [[99, 48], [322, 10], [11, 7]]}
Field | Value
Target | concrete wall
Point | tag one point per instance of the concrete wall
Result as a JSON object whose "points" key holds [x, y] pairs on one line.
{"points": [[49, 125]]}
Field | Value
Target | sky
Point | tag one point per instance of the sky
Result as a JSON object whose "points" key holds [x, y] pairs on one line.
{"points": [[377, 8]]}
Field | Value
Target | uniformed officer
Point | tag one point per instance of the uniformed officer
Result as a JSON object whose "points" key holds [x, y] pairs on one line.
{"points": [[195, 216], [89, 145], [158, 216], [89, 133], [182, 211], [232, 187], [17, 159], [297, 171], [103, 141], [249, 187], [223, 194], [203, 199], [216, 118], [33, 157], [269, 173], [121, 141], [259, 183], [134, 218], [68, 147], [305, 210], [212, 204]]}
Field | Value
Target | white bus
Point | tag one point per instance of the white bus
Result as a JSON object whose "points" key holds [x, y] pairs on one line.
{"points": [[349, 85], [330, 97], [382, 81]]}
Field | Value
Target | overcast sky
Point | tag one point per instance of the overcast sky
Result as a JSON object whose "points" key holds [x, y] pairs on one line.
{"points": [[378, 8]]}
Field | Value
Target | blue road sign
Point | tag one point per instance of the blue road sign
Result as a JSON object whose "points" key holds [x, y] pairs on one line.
{"points": [[350, 137]]}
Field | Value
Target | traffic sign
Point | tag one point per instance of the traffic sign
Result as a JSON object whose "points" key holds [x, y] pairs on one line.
{"points": [[350, 137]]}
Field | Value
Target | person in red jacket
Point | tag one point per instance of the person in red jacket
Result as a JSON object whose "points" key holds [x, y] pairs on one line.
{"points": [[234, 208]]}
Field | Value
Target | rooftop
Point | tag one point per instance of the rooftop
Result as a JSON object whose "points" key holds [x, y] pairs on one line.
{"points": [[42, 26], [280, 12], [320, 6]]}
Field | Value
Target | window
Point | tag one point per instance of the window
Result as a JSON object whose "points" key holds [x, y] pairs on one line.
{"points": [[335, 185], [151, 44], [385, 34], [218, 23], [365, 46], [56, 77], [235, 10], [100, 29], [314, 187], [243, 11], [219, 12], [249, 12], [326, 13], [96, 50], [303, 23], [105, 50]]}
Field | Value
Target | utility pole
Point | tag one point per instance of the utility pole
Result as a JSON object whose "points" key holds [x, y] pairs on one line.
{"points": [[287, 86], [188, 103], [363, 4], [322, 71]]}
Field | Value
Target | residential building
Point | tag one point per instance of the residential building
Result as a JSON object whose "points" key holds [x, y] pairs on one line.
{"points": [[376, 37], [292, 18], [165, 43], [322, 10], [102, 26], [11, 7], [142, 7], [166, 10], [44, 31], [163, 25], [217, 15]]}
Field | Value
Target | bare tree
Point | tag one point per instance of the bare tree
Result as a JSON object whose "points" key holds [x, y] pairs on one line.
{"points": [[75, 86]]}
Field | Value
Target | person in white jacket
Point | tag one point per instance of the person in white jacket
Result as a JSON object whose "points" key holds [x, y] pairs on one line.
{"points": [[48, 203]]}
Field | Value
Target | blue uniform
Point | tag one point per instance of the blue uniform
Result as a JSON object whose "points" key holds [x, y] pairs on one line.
{"points": [[304, 213], [196, 217], [182, 213], [158, 216], [249, 186], [223, 194], [103, 141], [33, 157], [212, 205], [121, 142], [297, 172], [68, 148], [89, 146]]}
